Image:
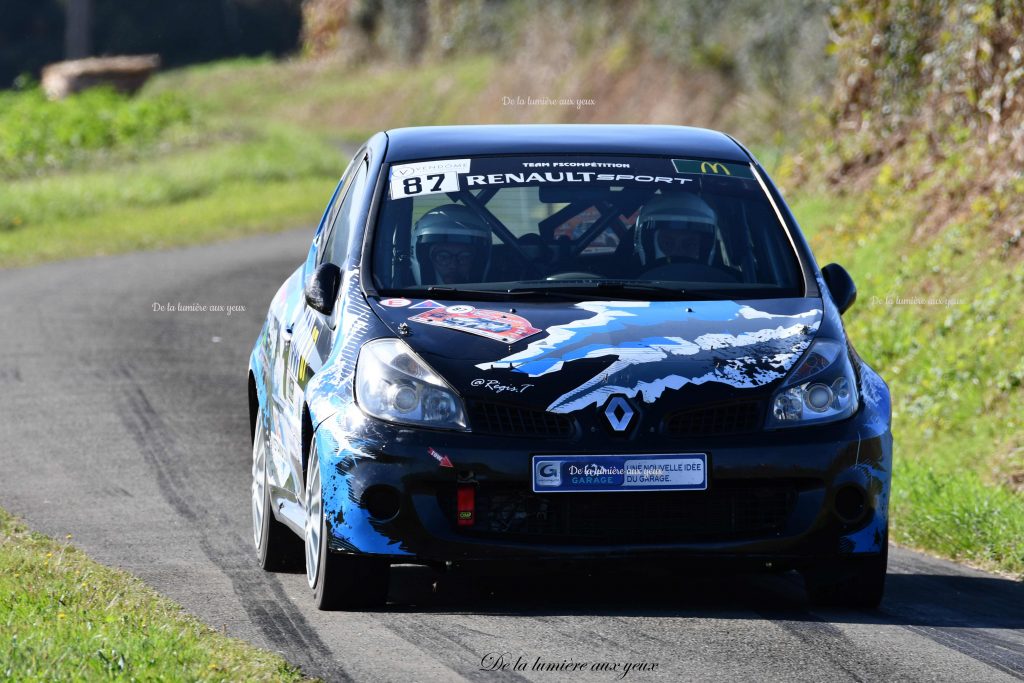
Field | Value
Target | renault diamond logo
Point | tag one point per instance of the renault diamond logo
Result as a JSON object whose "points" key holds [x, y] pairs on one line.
{"points": [[619, 413]]}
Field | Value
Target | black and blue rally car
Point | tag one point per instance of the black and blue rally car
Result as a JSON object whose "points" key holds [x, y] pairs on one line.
{"points": [[564, 343]]}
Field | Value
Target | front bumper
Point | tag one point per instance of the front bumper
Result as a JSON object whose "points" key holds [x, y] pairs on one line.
{"points": [[781, 497]]}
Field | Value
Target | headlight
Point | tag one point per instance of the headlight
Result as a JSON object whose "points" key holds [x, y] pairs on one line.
{"points": [[394, 384], [822, 388]]}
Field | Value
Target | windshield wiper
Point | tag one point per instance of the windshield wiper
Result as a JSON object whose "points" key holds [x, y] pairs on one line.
{"points": [[565, 289], [440, 289], [627, 285], [591, 286], [511, 292]]}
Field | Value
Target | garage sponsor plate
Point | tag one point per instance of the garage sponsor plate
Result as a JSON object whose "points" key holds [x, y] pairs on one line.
{"points": [[659, 472]]}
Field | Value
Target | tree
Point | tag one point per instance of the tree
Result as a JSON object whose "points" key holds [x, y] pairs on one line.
{"points": [[78, 29]]}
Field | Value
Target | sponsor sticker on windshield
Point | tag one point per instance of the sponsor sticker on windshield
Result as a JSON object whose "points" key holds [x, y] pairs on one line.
{"points": [[719, 168], [427, 177], [608, 473]]}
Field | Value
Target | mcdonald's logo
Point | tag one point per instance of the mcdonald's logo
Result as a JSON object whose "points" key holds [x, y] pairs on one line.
{"points": [[714, 167], [708, 167]]}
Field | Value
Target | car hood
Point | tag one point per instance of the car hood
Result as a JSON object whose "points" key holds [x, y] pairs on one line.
{"points": [[563, 357]]}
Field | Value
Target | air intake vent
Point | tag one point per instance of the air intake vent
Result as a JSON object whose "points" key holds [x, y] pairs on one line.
{"points": [[505, 420], [731, 418], [745, 510]]}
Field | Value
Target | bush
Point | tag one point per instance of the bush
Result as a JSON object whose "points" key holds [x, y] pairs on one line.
{"points": [[37, 134]]}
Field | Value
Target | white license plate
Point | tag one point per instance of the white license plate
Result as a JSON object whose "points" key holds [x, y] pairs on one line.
{"points": [[657, 472]]}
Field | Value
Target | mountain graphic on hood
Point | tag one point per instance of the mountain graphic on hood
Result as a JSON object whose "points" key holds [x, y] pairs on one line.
{"points": [[725, 341]]}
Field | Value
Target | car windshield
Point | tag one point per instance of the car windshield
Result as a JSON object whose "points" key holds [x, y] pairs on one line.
{"points": [[638, 227]]}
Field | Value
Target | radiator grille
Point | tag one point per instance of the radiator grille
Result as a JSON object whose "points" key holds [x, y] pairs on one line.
{"points": [[506, 420], [732, 418]]}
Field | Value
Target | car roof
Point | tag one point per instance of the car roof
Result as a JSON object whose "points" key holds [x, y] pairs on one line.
{"points": [[432, 142]]}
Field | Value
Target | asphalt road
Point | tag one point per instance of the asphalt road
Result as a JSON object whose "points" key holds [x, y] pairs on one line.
{"points": [[127, 428]]}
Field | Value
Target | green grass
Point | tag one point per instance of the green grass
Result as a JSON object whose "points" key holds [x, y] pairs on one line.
{"points": [[339, 102], [65, 617], [228, 210], [277, 179], [954, 367], [39, 135]]}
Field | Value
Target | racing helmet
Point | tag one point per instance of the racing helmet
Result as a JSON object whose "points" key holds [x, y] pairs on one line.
{"points": [[684, 215], [449, 224]]}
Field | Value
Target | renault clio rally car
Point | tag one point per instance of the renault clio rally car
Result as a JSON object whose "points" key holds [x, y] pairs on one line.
{"points": [[564, 343]]}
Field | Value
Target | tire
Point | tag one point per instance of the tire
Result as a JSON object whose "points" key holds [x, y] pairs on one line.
{"points": [[339, 581], [277, 548], [852, 582]]}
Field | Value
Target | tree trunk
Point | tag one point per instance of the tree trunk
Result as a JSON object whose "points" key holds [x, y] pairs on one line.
{"points": [[78, 29]]}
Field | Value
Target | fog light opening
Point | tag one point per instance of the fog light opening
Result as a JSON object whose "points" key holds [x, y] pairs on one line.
{"points": [[851, 503], [382, 502]]}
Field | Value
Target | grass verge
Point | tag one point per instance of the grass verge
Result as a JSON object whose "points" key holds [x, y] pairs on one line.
{"points": [[937, 318], [65, 617], [275, 179]]}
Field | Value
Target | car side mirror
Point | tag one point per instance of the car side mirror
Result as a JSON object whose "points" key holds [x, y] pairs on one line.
{"points": [[840, 286], [322, 288]]}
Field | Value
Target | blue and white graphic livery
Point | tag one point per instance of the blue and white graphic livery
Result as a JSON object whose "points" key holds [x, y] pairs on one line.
{"points": [[750, 355]]}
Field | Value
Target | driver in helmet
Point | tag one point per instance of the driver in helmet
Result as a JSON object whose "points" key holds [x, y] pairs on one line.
{"points": [[675, 229], [451, 245]]}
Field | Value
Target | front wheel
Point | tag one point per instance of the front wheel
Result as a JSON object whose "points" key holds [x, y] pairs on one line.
{"points": [[338, 581], [851, 582]]}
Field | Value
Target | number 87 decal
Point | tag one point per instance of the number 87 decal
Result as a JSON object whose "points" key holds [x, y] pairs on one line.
{"points": [[432, 183], [414, 185]]}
